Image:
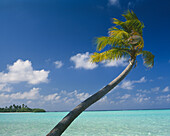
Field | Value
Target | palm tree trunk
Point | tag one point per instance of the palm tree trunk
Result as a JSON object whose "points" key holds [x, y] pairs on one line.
{"points": [[69, 118]]}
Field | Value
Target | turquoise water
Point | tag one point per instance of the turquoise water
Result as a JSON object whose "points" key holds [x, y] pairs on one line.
{"points": [[96, 123]]}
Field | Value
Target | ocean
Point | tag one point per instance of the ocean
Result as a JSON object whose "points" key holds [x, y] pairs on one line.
{"points": [[89, 123]]}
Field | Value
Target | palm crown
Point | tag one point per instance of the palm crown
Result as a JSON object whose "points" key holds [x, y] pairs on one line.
{"points": [[125, 40]]}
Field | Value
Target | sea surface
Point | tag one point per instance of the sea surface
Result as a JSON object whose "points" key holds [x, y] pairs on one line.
{"points": [[90, 123]]}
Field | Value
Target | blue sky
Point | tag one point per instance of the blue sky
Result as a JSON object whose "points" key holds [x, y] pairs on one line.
{"points": [[45, 46]]}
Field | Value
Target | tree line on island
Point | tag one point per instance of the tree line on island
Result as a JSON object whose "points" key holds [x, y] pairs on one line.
{"points": [[20, 108]]}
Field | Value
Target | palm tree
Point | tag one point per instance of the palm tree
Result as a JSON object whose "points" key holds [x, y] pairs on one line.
{"points": [[124, 40]]}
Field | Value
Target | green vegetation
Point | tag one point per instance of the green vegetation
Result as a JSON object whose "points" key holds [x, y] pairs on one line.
{"points": [[38, 110], [125, 40], [20, 108]]}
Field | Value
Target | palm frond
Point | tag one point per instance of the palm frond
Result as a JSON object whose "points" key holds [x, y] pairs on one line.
{"points": [[130, 15], [121, 24], [134, 25], [114, 53], [103, 41], [118, 33], [117, 37], [125, 39], [148, 58]]}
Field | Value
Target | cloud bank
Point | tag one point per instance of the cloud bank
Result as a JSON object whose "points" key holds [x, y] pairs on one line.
{"points": [[129, 85], [22, 71], [82, 61], [115, 63]]}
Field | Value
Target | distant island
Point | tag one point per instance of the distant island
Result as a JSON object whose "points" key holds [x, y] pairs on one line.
{"points": [[20, 108]]}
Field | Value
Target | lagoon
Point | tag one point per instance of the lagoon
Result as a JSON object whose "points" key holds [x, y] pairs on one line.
{"points": [[89, 123]]}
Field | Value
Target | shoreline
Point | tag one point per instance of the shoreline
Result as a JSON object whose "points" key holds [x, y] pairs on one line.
{"points": [[92, 110], [22, 112], [116, 110]]}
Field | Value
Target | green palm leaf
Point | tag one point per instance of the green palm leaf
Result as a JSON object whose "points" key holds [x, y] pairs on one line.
{"points": [[125, 39], [117, 37], [130, 15], [134, 25], [118, 33], [131, 23], [148, 58], [112, 54]]}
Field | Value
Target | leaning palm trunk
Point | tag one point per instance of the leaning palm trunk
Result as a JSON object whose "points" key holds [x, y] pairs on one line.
{"points": [[69, 118], [125, 40]]}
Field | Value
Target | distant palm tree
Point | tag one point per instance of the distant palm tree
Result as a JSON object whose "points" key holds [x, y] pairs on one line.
{"points": [[125, 40], [23, 106]]}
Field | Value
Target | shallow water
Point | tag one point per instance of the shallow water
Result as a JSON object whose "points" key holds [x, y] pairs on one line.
{"points": [[93, 123]]}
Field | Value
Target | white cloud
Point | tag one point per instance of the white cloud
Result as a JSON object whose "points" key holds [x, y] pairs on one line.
{"points": [[164, 98], [142, 80], [52, 97], [115, 63], [32, 94], [74, 96], [28, 102], [166, 89], [129, 85], [58, 64], [122, 99], [20, 97], [2, 86], [64, 100], [140, 98], [5, 88], [143, 91], [156, 89], [113, 2], [81, 96], [22, 71], [126, 96], [67, 100], [82, 61]]}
